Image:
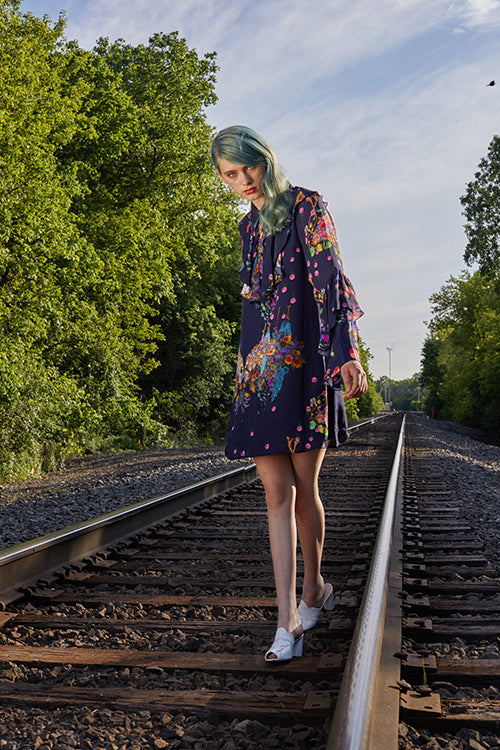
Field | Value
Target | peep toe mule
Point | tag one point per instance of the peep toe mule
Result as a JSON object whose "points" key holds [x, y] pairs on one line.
{"points": [[309, 616], [285, 646]]}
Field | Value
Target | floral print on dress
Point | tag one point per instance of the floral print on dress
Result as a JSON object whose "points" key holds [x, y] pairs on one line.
{"points": [[265, 368], [317, 413], [333, 293], [320, 231]]}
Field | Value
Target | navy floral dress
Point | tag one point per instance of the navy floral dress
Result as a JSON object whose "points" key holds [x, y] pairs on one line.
{"points": [[298, 328]]}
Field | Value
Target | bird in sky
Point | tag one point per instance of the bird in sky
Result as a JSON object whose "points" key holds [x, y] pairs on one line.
{"points": [[491, 83]]}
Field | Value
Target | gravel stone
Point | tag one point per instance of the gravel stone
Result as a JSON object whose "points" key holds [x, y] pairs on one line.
{"points": [[92, 486]]}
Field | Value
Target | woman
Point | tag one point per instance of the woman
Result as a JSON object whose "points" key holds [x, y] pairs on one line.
{"points": [[298, 335]]}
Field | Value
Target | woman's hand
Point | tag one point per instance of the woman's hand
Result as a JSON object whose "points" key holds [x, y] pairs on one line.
{"points": [[354, 379]]}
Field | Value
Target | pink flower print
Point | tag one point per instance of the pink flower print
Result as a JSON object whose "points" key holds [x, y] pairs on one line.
{"points": [[314, 380], [292, 276], [293, 301], [266, 446], [284, 289], [308, 445], [299, 428]]}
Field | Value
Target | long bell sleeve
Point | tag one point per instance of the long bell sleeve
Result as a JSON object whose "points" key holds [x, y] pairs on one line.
{"points": [[336, 302]]}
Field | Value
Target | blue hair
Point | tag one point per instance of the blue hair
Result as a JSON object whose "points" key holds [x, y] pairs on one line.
{"points": [[242, 145]]}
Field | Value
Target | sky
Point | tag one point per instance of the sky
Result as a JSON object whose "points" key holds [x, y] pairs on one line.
{"points": [[380, 105]]}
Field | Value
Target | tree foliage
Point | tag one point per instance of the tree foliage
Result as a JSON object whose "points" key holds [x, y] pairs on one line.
{"points": [[432, 375], [461, 357], [370, 402], [113, 232], [481, 204], [405, 394]]}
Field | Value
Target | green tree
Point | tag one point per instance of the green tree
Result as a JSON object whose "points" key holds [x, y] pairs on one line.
{"points": [[158, 170], [462, 357], [112, 225], [481, 204], [39, 247], [404, 393], [432, 375], [371, 402]]}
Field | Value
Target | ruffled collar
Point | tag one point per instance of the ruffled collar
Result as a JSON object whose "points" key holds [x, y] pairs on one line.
{"points": [[262, 267]]}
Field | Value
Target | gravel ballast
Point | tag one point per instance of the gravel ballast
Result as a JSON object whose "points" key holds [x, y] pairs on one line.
{"points": [[90, 487]]}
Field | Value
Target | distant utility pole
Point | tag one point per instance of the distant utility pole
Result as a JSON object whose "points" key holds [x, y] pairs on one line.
{"points": [[389, 349]]}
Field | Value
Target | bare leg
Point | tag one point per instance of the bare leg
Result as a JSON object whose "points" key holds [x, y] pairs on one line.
{"points": [[310, 522], [291, 485], [278, 478]]}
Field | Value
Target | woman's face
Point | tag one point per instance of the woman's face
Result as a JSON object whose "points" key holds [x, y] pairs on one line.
{"points": [[245, 181]]}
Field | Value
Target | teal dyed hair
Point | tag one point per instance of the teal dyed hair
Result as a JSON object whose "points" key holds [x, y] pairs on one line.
{"points": [[242, 145]]}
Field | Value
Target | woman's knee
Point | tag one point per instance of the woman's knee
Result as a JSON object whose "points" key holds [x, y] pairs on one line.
{"points": [[280, 492], [278, 478]]}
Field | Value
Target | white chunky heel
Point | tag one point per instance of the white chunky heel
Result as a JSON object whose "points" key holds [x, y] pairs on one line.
{"points": [[309, 616]]}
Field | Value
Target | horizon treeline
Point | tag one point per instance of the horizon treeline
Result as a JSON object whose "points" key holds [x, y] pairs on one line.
{"points": [[119, 250]]}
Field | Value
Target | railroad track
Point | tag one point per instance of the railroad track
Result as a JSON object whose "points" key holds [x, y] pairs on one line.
{"points": [[173, 621]]}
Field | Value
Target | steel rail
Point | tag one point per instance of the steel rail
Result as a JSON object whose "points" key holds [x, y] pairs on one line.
{"points": [[369, 421], [354, 709], [21, 566]]}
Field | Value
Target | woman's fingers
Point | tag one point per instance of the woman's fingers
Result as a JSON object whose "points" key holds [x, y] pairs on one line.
{"points": [[354, 379]]}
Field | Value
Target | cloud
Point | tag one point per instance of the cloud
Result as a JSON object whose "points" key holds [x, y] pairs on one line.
{"points": [[480, 12], [204, 23]]}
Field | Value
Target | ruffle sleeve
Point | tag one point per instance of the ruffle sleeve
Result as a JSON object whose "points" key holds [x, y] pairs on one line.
{"points": [[337, 305]]}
